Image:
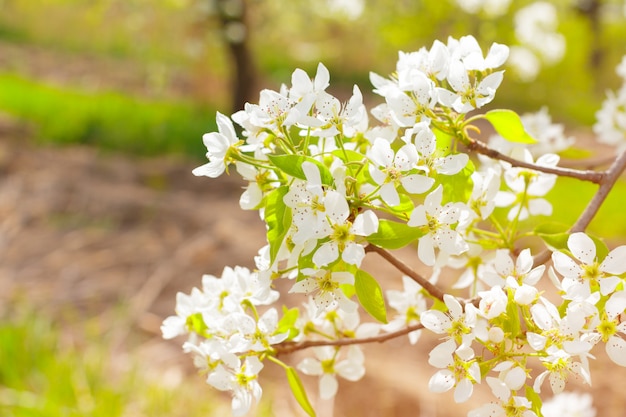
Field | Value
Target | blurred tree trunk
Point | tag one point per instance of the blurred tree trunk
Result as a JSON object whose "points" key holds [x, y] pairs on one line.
{"points": [[235, 29], [591, 10]]}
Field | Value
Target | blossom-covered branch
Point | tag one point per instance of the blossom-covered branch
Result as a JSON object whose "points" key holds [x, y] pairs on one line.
{"points": [[332, 188]]}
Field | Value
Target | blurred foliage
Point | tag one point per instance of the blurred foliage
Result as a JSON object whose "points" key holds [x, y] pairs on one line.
{"points": [[108, 120], [50, 371], [184, 35]]}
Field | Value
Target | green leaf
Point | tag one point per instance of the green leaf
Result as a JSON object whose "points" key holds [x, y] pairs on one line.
{"points": [[457, 187], [405, 208], [292, 165], [298, 391], [348, 155], [394, 235], [288, 322], [370, 295], [509, 125], [535, 400], [278, 218], [554, 235], [512, 323]]}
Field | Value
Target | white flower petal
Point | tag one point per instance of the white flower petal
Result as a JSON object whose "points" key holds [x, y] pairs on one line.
{"points": [[417, 184], [426, 250], [442, 381], [328, 386], [616, 349], [435, 321], [615, 262], [582, 247], [463, 391]]}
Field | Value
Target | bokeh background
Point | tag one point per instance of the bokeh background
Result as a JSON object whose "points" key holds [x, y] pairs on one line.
{"points": [[102, 107]]}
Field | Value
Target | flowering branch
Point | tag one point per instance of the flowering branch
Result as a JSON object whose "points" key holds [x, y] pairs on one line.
{"points": [[290, 347], [583, 175], [322, 218]]}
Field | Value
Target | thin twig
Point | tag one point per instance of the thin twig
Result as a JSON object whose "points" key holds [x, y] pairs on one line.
{"points": [[609, 178], [407, 270], [290, 347], [583, 175]]}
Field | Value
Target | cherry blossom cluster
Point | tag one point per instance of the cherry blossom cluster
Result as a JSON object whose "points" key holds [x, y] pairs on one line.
{"points": [[333, 188]]}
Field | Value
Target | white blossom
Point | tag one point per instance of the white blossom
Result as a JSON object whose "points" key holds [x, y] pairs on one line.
{"points": [[219, 145], [391, 170], [583, 273], [435, 221], [325, 288], [327, 366]]}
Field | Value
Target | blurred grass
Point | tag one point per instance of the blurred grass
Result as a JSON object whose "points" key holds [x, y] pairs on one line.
{"points": [[47, 372], [108, 120]]}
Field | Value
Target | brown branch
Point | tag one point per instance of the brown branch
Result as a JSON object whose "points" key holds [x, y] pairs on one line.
{"points": [[407, 270], [290, 347], [609, 178], [583, 175]]}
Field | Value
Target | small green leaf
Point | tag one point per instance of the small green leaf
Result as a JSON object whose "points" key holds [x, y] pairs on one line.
{"points": [[292, 165], [394, 235], [405, 208], [512, 323], [298, 391], [575, 153], [509, 125], [555, 236], [278, 218], [348, 155], [370, 295], [288, 322], [535, 400], [458, 187]]}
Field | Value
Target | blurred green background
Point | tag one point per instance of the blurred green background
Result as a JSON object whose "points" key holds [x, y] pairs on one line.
{"points": [[145, 78], [75, 68]]}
